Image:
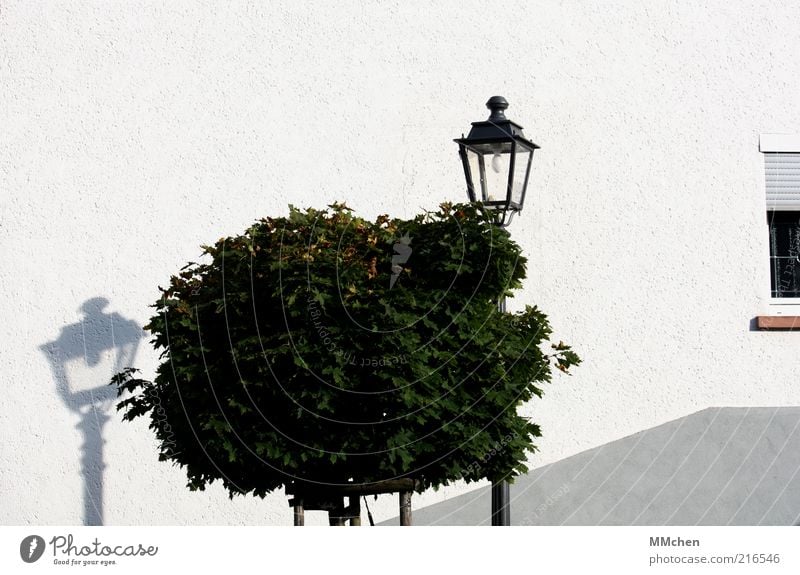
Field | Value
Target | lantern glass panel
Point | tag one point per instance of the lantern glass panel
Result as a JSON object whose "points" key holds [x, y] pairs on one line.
{"points": [[476, 174], [494, 161], [522, 161]]}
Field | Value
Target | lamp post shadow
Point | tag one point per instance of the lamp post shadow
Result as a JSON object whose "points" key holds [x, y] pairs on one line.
{"points": [[88, 341]]}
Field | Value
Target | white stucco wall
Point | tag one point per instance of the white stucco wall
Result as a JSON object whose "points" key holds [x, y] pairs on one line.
{"points": [[131, 133]]}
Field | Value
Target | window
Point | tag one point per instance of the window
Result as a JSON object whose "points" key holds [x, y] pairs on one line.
{"points": [[784, 253], [782, 179]]}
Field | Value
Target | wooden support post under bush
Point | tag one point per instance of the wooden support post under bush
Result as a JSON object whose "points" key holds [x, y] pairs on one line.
{"points": [[355, 511], [299, 515], [405, 508], [337, 513], [329, 498]]}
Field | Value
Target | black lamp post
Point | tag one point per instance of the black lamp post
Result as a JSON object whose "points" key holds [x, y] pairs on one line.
{"points": [[497, 165]]}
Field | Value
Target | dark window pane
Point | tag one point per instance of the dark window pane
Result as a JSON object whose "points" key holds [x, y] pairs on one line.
{"points": [[784, 251]]}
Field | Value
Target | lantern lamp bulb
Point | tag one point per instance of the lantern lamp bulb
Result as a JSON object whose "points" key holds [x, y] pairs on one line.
{"points": [[497, 163]]}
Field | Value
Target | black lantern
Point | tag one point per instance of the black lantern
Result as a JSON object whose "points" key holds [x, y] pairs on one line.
{"points": [[497, 162]]}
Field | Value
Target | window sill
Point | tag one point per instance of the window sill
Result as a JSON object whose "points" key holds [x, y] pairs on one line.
{"points": [[784, 301], [778, 322]]}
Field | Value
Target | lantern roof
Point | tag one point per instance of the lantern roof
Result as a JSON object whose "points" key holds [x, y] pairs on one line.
{"points": [[496, 127]]}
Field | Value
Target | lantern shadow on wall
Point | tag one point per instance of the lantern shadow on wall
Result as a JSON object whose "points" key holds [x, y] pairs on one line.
{"points": [[97, 346]]}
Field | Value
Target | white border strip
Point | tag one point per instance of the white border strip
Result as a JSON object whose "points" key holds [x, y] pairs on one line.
{"points": [[621, 550]]}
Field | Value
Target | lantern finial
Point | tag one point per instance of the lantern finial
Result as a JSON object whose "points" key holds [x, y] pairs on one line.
{"points": [[497, 104]]}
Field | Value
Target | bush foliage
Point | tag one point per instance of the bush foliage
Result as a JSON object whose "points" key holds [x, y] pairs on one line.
{"points": [[326, 349]]}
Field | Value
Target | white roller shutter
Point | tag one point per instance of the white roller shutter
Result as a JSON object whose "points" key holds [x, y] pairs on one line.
{"points": [[782, 180]]}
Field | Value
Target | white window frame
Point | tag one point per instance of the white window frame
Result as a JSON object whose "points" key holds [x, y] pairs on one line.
{"points": [[787, 143]]}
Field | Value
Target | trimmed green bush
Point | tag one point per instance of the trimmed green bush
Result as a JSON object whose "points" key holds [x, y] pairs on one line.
{"points": [[326, 349]]}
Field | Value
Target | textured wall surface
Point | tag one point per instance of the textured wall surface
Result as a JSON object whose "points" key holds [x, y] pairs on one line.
{"points": [[131, 133]]}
